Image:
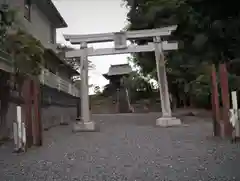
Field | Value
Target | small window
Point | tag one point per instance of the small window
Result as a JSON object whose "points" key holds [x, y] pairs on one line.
{"points": [[27, 9]]}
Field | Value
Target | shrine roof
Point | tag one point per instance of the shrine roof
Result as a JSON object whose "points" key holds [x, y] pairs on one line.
{"points": [[121, 69]]}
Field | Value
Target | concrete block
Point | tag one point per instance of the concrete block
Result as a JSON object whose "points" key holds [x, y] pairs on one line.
{"points": [[84, 126], [168, 121]]}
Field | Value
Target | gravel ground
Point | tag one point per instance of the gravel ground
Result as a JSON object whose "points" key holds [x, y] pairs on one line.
{"points": [[128, 147]]}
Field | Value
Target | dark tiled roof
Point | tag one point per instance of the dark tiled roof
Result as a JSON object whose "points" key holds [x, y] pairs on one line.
{"points": [[120, 69]]}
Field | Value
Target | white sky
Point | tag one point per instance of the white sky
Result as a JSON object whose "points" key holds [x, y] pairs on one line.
{"points": [[94, 16]]}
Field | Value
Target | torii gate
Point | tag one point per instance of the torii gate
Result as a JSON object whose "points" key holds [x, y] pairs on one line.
{"points": [[120, 40]]}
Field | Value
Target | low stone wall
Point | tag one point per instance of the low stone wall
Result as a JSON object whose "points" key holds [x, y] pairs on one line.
{"points": [[52, 115], [56, 107], [141, 107], [55, 115], [107, 108], [102, 106]]}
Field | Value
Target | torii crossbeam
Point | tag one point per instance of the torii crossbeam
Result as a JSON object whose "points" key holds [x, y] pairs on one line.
{"points": [[120, 40]]}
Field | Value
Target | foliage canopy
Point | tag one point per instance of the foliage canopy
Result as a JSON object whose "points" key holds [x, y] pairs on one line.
{"points": [[208, 32]]}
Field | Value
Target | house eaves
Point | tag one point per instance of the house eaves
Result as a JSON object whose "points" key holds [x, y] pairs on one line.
{"points": [[51, 12]]}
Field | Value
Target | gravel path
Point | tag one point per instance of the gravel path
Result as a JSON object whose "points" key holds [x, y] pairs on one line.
{"points": [[128, 147]]}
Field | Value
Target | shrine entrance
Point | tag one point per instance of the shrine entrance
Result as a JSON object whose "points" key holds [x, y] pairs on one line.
{"points": [[120, 47]]}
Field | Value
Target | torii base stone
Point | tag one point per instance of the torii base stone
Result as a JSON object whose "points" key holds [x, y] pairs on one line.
{"points": [[168, 122], [84, 127]]}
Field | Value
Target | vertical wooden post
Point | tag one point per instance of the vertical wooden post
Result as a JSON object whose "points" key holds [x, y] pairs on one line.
{"points": [[118, 100], [26, 89], [37, 115], [40, 114], [215, 103], [78, 109], [227, 127], [34, 118], [235, 118], [19, 132]]}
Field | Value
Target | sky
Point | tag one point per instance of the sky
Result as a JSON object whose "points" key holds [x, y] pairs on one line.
{"points": [[94, 16]]}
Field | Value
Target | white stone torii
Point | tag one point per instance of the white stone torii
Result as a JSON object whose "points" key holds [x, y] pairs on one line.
{"points": [[120, 39]]}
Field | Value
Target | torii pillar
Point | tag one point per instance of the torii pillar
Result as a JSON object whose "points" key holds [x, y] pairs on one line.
{"points": [[85, 123], [166, 119]]}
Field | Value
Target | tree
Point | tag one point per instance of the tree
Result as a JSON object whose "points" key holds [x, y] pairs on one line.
{"points": [[206, 35], [7, 18], [27, 53], [97, 90], [74, 62], [5, 23], [108, 90], [138, 86]]}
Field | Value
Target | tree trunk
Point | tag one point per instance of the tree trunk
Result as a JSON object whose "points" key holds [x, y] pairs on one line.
{"points": [[191, 103], [177, 100], [174, 103], [183, 100], [188, 101]]}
